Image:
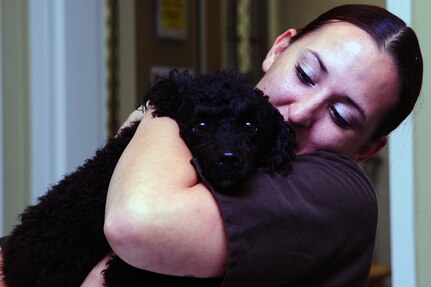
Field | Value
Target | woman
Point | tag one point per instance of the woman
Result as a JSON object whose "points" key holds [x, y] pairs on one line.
{"points": [[344, 82]]}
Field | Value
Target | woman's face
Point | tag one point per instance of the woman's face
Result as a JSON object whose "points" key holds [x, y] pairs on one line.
{"points": [[334, 86]]}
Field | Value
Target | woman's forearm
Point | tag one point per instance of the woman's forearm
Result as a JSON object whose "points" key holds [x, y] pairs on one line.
{"points": [[158, 217], [2, 282]]}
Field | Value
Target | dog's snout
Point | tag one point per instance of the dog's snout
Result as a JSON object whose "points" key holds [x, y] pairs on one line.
{"points": [[228, 160]]}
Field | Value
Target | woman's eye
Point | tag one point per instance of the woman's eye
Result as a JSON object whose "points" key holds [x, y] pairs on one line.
{"points": [[200, 128], [303, 76], [250, 128], [338, 119]]}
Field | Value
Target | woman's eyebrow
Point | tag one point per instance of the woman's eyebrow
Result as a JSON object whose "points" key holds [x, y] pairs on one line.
{"points": [[319, 59]]}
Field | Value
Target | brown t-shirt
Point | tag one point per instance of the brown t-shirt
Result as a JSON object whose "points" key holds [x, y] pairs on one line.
{"points": [[315, 227]]}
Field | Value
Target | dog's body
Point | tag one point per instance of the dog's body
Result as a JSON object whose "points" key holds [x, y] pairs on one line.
{"points": [[229, 127]]}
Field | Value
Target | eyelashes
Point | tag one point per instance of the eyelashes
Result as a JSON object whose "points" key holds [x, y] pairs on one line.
{"points": [[303, 76], [338, 119]]}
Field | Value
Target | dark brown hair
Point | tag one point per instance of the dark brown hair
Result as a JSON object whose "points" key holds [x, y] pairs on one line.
{"points": [[391, 35]]}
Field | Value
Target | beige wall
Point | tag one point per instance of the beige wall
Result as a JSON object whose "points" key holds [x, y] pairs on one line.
{"points": [[17, 81], [152, 50], [422, 154], [16, 111], [296, 14], [127, 58]]}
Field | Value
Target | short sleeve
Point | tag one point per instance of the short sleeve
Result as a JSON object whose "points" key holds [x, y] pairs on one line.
{"points": [[314, 227]]}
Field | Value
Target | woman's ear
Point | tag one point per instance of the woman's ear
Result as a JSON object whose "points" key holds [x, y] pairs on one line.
{"points": [[280, 44], [370, 149]]}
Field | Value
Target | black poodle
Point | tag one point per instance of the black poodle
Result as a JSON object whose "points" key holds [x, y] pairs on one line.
{"points": [[231, 130]]}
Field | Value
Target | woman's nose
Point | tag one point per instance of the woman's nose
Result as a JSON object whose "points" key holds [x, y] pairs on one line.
{"points": [[304, 112]]}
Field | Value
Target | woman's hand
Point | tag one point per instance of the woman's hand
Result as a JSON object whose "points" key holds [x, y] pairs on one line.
{"points": [[158, 216], [136, 116], [2, 283], [95, 277]]}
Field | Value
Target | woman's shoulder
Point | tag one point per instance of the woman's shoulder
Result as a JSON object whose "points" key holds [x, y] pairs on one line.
{"points": [[325, 169], [333, 161], [321, 184], [319, 180], [326, 177], [299, 218]]}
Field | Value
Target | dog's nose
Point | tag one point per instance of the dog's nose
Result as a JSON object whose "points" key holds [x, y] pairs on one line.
{"points": [[228, 160]]}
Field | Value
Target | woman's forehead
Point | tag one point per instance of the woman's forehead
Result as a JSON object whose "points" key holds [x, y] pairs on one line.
{"points": [[341, 36]]}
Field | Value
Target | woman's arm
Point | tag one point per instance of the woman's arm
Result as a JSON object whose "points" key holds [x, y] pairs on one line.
{"points": [[158, 217], [2, 282], [95, 277]]}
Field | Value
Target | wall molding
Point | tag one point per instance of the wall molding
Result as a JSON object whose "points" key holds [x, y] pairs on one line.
{"points": [[1, 126], [15, 118], [401, 185], [67, 88]]}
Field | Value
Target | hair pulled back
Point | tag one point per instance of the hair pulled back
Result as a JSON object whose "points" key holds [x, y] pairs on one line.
{"points": [[391, 35]]}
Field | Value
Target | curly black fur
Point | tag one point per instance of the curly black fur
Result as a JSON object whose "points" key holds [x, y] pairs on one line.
{"points": [[229, 127]]}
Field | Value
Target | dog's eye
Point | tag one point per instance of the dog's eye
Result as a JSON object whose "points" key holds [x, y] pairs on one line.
{"points": [[200, 128], [250, 128]]}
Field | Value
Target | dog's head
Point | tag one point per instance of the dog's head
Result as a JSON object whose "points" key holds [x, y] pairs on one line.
{"points": [[229, 126]]}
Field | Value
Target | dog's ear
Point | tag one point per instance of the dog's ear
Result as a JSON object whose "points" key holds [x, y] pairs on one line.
{"points": [[166, 95], [283, 151]]}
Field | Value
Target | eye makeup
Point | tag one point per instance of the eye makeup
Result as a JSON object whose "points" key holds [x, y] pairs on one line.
{"points": [[309, 67], [341, 117], [302, 73], [346, 116]]}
